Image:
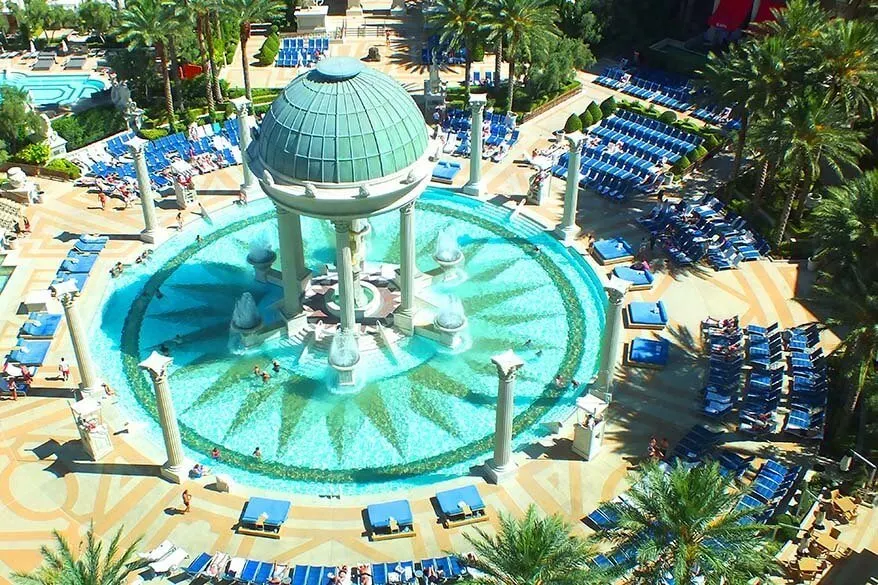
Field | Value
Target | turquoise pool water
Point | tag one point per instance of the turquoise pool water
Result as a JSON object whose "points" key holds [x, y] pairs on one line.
{"points": [[420, 415], [53, 89]]}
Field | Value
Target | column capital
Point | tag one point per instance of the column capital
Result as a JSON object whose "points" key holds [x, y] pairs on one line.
{"points": [[136, 145], [508, 364], [241, 105], [157, 365], [342, 226], [575, 140], [616, 289], [477, 102], [407, 209]]}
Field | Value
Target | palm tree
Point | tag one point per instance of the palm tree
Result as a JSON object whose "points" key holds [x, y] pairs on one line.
{"points": [[847, 221], [849, 51], [816, 134], [143, 23], [201, 9], [524, 22], [496, 34], [460, 26], [211, 47], [245, 12], [533, 550], [684, 522], [93, 565]]}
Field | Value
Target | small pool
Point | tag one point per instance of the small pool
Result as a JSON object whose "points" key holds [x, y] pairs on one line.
{"points": [[50, 89], [421, 415], [5, 273]]}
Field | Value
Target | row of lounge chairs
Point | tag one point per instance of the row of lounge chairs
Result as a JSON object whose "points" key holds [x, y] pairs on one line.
{"points": [[770, 491], [677, 96], [44, 312], [809, 385], [724, 340]]}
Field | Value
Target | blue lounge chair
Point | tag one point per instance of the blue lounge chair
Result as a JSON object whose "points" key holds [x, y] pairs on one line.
{"points": [[248, 573], [198, 564], [41, 325], [648, 353], [639, 279], [89, 247], [263, 517], [461, 506], [78, 263], [30, 352], [612, 251], [390, 520], [445, 171], [78, 278], [263, 573], [300, 572], [379, 574], [647, 315]]}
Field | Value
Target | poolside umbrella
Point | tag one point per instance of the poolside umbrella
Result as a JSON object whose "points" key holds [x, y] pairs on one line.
{"points": [[33, 48]]}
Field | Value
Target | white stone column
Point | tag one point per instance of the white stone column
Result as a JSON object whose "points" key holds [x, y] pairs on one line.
{"points": [[81, 350], [292, 260], [567, 230], [144, 185], [474, 187], [404, 315], [242, 108], [344, 266], [501, 466], [359, 229], [397, 8], [156, 365], [612, 339]]}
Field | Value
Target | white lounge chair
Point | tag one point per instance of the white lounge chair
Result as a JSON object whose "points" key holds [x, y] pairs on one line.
{"points": [[169, 562], [158, 552]]}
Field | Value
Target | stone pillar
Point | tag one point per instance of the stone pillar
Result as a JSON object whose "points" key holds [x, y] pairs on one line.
{"points": [[292, 260], [344, 266], [567, 230], [397, 8], [156, 365], [354, 8], [404, 315], [81, 350], [612, 340], [474, 187], [359, 229], [147, 203], [242, 108], [501, 466]]}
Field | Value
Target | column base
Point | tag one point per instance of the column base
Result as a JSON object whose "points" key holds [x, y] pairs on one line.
{"points": [[252, 191], [566, 233], [94, 392], [499, 474], [476, 189], [147, 237], [354, 12], [176, 474], [398, 11], [404, 321]]}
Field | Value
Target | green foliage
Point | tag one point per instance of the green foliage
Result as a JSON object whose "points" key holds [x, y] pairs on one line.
{"points": [[32, 154], [95, 16], [65, 166], [699, 153], [91, 562], [711, 141], [668, 117], [681, 165], [609, 107], [153, 133], [573, 124], [261, 108], [82, 128], [586, 119], [554, 65], [687, 521], [577, 20], [533, 549], [595, 111], [19, 124], [479, 53], [269, 50]]}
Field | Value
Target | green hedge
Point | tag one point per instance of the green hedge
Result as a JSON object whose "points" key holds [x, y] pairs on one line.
{"points": [[586, 119], [681, 165], [65, 166], [154, 133], [573, 124], [668, 117], [269, 50], [595, 111], [84, 128], [609, 106], [33, 154]]}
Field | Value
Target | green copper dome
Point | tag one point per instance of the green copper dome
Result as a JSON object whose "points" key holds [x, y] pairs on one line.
{"points": [[340, 123]]}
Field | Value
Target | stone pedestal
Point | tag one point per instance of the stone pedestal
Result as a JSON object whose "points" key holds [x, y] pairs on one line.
{"points": [[474, 187], [500, 467], [175, 468], [242, 108], [567, 230], [588, 432]]}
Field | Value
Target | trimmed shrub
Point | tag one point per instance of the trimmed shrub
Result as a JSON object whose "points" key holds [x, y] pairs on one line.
{"points": [[261, 108], [681, 165], [269, 50], [609, 107], [595, 111], [573, 124], [65, 166], [668, 117], [33, 154], [586, 119], [699, 153], [153, 133], [711, 141]]}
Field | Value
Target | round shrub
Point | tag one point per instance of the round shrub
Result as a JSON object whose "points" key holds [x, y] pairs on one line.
{"points": [[668, 117], [609, 106], [595, 111], [700, 152], [681, 165], [269, 50], [153, 133], [573, 124], [586, 119], [711, 141], [65, 166]]}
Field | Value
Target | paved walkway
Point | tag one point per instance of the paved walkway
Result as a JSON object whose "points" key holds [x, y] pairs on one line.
{"points": [[46, 484]]}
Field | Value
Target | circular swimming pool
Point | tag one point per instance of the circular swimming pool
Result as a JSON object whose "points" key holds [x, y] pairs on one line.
{"points": [[420, 413]]}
